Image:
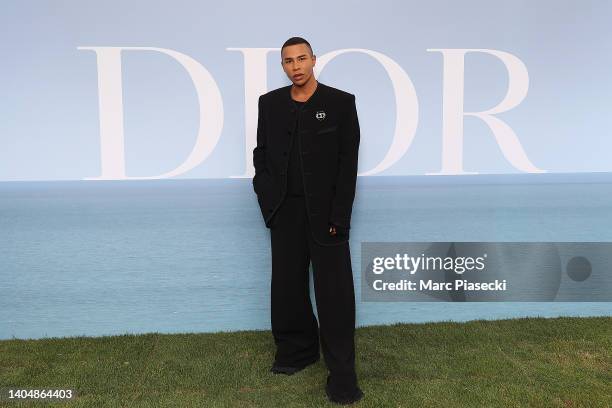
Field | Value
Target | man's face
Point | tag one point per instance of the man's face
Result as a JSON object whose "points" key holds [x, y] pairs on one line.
{"points": [[298, 63]]}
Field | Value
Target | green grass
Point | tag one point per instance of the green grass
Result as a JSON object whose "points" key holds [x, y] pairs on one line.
{"points": [[535, 362]]}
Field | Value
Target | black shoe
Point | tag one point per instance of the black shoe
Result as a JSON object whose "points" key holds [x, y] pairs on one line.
{"points": [[343, 399], [276, 369]]}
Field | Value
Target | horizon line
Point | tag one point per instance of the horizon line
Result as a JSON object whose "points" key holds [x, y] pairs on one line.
{"points": [[547, 174]]}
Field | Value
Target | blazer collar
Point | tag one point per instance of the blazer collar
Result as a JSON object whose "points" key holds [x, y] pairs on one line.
{"points": [[310, 101]]}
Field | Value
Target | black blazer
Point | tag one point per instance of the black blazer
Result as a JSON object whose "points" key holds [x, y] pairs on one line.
{"points": [[327, 135]]}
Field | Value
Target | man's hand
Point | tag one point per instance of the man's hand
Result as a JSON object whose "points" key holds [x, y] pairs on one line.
{"points": [[338, 230]]}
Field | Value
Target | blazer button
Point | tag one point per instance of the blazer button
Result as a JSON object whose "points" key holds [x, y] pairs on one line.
{"points": [[284, 153]]}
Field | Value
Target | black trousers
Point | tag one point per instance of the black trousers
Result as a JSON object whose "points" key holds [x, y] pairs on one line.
{"points": [[294, 325]]}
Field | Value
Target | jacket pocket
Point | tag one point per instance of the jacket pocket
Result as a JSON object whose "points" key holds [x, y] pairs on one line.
{"points": [[327, 130]]}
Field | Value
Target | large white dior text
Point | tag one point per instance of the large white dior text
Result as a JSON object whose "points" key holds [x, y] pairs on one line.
{"points": [[406, 108]]}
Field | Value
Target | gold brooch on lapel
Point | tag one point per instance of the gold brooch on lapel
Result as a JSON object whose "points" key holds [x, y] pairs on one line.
{"points": [[320, 115]]}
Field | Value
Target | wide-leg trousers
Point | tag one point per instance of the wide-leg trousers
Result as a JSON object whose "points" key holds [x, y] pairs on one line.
{"points": [[294, 325]]}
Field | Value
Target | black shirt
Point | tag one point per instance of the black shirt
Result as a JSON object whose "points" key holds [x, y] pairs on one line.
{"points": [[295, 184]]}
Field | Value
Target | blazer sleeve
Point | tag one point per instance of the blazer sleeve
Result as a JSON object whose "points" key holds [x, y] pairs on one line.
{"points": [[259, 152], [342, 202]]}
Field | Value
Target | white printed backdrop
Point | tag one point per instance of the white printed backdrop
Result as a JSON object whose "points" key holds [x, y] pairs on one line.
{"points": [[168, 90], [143, 89]]}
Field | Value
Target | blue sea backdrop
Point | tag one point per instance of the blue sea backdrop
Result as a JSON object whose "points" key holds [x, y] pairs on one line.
{"points": [[193, 255]]}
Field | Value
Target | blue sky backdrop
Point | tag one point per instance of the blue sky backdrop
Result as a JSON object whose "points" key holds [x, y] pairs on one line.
{"points": [[49, 118]]}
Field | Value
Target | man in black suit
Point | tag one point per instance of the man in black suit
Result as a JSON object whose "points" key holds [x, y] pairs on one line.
{"points": [[305, 177]]}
